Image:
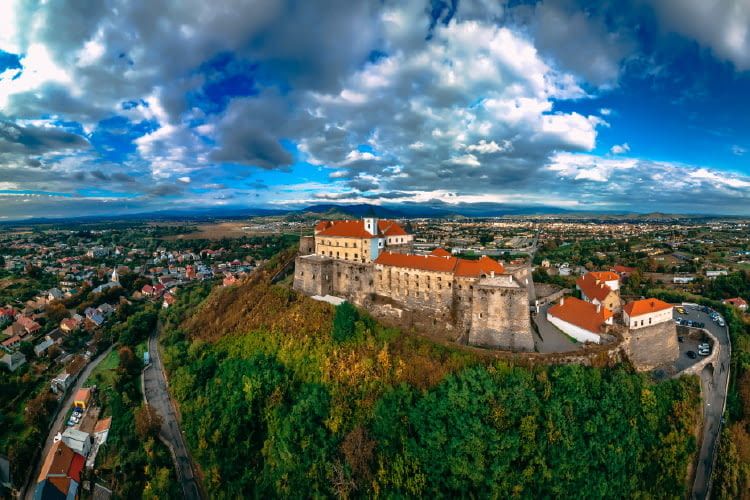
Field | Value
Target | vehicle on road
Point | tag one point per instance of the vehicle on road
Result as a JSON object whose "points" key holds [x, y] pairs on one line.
{"points": [[721, 322], [680, 310], [691, 354], [704, 352]]}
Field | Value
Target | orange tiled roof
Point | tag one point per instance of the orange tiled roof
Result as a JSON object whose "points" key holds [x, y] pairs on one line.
{"points": [[83, 394], [485, 265], [391, 228], [605, 275], [62, 461], [422, 262], [356, 229], [645, 306], [623, 269], [346, 229], [581, 313], [441, 252], [445, 264], [736, 301], [103, 425], [593, 288]]}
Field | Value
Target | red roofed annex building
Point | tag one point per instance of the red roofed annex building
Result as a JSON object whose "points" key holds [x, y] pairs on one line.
{"points": [[479, 302], [601, 288]]}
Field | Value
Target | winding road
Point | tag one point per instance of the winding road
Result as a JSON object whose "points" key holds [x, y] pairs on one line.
{"points": [[157, 395], [714, 389]]}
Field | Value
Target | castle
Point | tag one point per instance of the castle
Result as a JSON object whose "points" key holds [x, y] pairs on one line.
{"points": [[368, 262]]}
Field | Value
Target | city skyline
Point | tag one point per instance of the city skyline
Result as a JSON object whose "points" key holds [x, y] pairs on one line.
{"points": [[130, 106]]}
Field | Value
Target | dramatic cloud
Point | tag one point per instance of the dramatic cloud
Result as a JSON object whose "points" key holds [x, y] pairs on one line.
{"points": [[117, 105]]}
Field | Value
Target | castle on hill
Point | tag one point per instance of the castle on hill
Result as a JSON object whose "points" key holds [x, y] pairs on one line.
{"points": [[369, 263]]}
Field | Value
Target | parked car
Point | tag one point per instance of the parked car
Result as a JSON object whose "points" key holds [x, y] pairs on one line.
{"points": [[699, 324], [704, 352], [721, 322], [691, 354], [680, 309]]}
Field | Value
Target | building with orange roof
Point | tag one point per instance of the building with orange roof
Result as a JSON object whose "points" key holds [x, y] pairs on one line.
{"points": [[646, 312], [60, 475], [82, 398], [358, 240], [737, 302], [480, 302], [579, 319], [601, 288]]}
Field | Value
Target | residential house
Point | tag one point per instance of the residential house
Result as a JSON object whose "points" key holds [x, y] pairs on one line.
{"points": [[737, 302], [12, 342], [168, 300], [584, 321], [646, 312], [61, 383], [78, 441], [82, 398], [42, 346], [13, 360], [601, 288], [54, 294], [60, 476], [29, 325], [69, 325]]}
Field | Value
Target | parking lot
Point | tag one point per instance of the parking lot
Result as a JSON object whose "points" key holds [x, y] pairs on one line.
{"points": [[691, 341]]}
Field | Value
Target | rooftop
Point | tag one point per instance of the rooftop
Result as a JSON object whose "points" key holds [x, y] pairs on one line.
{"points": [[645, 306], [581, 313]]}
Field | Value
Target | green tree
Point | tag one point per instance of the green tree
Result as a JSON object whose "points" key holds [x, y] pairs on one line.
{"points": [[344, 321]]}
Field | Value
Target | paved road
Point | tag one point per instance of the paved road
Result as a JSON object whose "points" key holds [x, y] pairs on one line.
{"points": [[155, 389], [59, 423], [714, 384]]}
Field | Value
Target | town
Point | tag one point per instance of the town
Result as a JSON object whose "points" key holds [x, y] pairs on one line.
{"points": [[81, 301]]}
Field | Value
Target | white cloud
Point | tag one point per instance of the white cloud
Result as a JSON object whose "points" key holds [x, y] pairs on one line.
{"points": [[185, 179], [738, 150], [619, 149]]}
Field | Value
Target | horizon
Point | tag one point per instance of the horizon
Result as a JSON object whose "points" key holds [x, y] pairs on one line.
{"points": [[120, 109]]}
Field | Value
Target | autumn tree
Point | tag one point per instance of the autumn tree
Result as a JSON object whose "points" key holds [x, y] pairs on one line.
{"points": [[56, 312], [147, 421], [38, 409]]}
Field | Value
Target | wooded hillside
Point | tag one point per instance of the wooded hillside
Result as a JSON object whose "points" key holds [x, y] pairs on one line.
{"points": [[284, 396]]}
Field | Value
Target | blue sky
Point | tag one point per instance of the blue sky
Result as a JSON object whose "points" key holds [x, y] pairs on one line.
{"points": [[135, 105]]}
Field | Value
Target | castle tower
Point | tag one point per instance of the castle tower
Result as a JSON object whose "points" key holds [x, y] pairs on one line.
{"points": [[371, 225]]}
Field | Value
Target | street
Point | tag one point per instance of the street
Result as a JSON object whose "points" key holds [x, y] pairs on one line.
{"points": [[155, 391], [713, 385], [59, 423]]}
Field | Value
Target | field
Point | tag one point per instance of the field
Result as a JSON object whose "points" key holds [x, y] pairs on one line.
{"points": [[215, 231]]}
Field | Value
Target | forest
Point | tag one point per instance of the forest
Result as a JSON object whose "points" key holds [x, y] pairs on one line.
{"points": [[284, 396]]}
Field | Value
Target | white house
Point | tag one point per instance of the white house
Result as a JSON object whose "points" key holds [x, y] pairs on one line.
{"points": [[646, 312], [579, 319], [78, 441]]}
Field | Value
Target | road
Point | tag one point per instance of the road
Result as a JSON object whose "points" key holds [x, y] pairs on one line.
{"points": [[59, 424], [714, 385], [155, 390]]}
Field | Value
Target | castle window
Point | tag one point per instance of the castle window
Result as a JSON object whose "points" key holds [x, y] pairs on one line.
{"points": [[346, 244], [480, 315], [313, 276], [356, 256], [302, 273], [346, 255]]}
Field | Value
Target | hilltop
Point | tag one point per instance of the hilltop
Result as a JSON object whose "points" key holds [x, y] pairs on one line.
{"points": [[285, 396]]}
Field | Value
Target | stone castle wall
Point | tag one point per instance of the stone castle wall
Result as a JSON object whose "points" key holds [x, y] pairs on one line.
{"points": [[652, 346], [500, 318], [491, 312]]}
